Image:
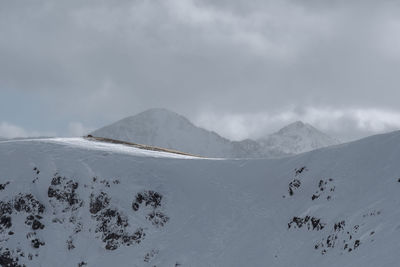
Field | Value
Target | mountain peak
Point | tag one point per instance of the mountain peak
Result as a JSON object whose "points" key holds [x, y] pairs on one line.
{"points": [[298, 137], [157, 114], [294, 126], [297, 124], [164, 128], [158, 111]]}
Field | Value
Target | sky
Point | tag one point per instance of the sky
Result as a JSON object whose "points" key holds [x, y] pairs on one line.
{"points": [[243, 68]]}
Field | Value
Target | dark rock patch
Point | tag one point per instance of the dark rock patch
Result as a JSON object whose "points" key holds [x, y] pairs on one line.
{"points": [[7, 259], [152, 200], [5, 222], [341, 238], [6, 207], [28, 203], [63, 190], [311, 223], [300, 170], [157, 218], [293, 185], [36, 170], [324, 187], [36, 243], [372, 213], [98, 202], [112, 226], [296, 183], [339, 226], [148, 198], [34, 222], [3, 186], [70, 244], [150, 255]]}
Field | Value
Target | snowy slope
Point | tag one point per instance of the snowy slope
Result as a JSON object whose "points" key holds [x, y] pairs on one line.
{"points": [[296, 138], [164, 128], [114, 206]]}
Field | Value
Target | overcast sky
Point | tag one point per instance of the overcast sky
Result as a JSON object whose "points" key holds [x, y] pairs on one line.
{"points": [[243, 68]]}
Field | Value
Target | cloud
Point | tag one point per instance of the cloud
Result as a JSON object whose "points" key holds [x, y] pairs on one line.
{"points": [[96, 62], [346, 124], [8, 130]]}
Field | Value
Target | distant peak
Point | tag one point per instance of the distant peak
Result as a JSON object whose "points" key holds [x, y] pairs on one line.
{"points": [[297, 124], [294, 126], [158, 111], [153, 118], [158, 114]]}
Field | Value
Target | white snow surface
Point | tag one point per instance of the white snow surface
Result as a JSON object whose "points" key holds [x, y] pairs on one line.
{"points": [[221, 212], [164, 128], [83, 143]]}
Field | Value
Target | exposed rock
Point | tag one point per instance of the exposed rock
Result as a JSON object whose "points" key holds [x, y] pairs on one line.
{"points": [[99, 202], [63, 190]]}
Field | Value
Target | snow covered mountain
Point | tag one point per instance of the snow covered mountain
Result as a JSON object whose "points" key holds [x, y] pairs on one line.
{"points": [[75, 202], [296, 138], [164, 128]]}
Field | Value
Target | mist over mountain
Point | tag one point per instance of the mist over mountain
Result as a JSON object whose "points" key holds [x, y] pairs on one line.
{"points": [[164, 128]]}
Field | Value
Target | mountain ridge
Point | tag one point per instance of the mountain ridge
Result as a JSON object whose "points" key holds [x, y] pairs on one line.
{"points": [[164, 128]]}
